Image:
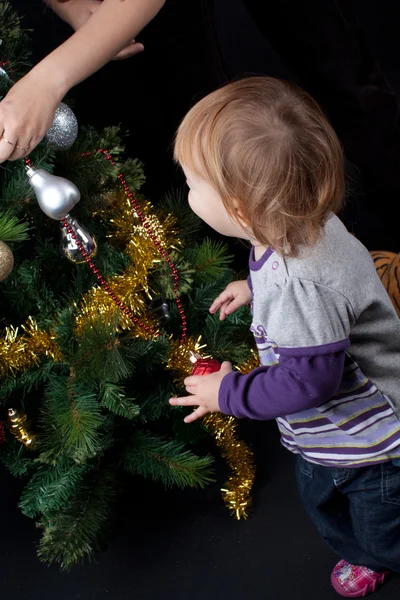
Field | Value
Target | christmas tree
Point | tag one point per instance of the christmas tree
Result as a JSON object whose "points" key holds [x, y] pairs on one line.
{"points": [[101, 311]]}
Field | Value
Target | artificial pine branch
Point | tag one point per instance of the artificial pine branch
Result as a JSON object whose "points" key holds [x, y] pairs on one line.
{"points": [[201, 298], [39, 298], [52, 487], [166, 461], [28, 381], [72, 534], [105, 402], [101, 354], [71, 421], [14, 49], [153, 401], [113, 397], [226, 341], [11, 229], [162, 275], [16, 458], [210, 259]]}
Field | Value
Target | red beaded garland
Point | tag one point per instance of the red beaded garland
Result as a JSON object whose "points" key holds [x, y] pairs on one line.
{"points": [[153, 237]]}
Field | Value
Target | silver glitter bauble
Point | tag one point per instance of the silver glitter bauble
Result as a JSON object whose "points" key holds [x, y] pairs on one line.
{"points": [[4, 73], [69, 246], [56, 196], [64, 129]]}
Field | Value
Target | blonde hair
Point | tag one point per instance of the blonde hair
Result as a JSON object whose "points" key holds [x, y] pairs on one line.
{"points": [[269, 151]]}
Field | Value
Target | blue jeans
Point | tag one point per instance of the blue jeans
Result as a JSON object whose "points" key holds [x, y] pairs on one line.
{"points": [[357, 511]]}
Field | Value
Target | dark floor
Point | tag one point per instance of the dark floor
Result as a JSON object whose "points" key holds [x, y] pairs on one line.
{"points": [[185, 546]]}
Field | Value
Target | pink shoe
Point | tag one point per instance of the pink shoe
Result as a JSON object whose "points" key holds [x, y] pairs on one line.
{"points": [[355, 582]]}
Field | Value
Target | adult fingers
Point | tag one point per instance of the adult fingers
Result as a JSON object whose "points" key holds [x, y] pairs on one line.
{"points": [[130, 50], [7, 145], [21, 149]]}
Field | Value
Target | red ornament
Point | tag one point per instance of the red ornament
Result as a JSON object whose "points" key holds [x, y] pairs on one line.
{"points": [[204, 366]]}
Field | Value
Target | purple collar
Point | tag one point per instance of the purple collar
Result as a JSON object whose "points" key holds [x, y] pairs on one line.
{"points": [[255, 265]]}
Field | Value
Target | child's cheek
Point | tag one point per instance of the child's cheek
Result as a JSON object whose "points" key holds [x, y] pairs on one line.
{"points": [[194, 205]]}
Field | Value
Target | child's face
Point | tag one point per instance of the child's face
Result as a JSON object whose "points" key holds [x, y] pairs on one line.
{"points": [[205, 201]]}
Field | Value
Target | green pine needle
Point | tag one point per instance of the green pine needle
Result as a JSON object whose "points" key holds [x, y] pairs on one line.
{"points": [[210, 259], [164, 281], [51, 487], [91, 412], [113, 397], [227, 341], [71, 421], [71, 534], [14, 50], [166, 461], [16, 458], [11, 230], [101, 354], [153, 402]]}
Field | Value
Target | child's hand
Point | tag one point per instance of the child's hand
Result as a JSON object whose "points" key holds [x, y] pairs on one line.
{"points": [[204, 390], [235, 295], [77, 12]]}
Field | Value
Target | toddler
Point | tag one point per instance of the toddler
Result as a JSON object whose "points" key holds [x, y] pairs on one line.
{"points": [[263, 164]]}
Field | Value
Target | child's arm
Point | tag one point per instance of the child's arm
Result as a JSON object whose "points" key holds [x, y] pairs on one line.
{"points": [[27, 111], [310, 325], [296, 384]]}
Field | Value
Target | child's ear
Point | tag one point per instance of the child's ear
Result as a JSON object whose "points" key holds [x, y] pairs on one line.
{"points": [[239, 214]]}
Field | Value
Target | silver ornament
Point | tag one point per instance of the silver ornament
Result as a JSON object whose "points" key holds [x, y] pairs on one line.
{"points": [[69, 246], [56, 196], [64, 129], [4, 73]]}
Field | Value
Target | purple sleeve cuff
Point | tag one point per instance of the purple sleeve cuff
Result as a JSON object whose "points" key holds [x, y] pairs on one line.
{"points": [[297, 383]]}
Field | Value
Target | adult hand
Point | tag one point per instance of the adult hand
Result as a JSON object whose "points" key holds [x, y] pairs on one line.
{"points": [[26, 114]]}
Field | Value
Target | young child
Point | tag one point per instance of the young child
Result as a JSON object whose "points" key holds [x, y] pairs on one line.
{"points": [[263, 164]]}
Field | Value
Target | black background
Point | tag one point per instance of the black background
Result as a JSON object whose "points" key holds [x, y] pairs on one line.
{"points": [[184, 545], [345, 52]]}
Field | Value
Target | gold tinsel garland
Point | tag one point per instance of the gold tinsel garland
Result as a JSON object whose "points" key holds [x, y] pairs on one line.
{"points": [[19, 352], [132, 286], [251, 363], [179, 357], [239, 458]]}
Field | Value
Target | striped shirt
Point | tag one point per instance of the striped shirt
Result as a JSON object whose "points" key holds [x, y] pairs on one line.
{"points": [[329, 344]]}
